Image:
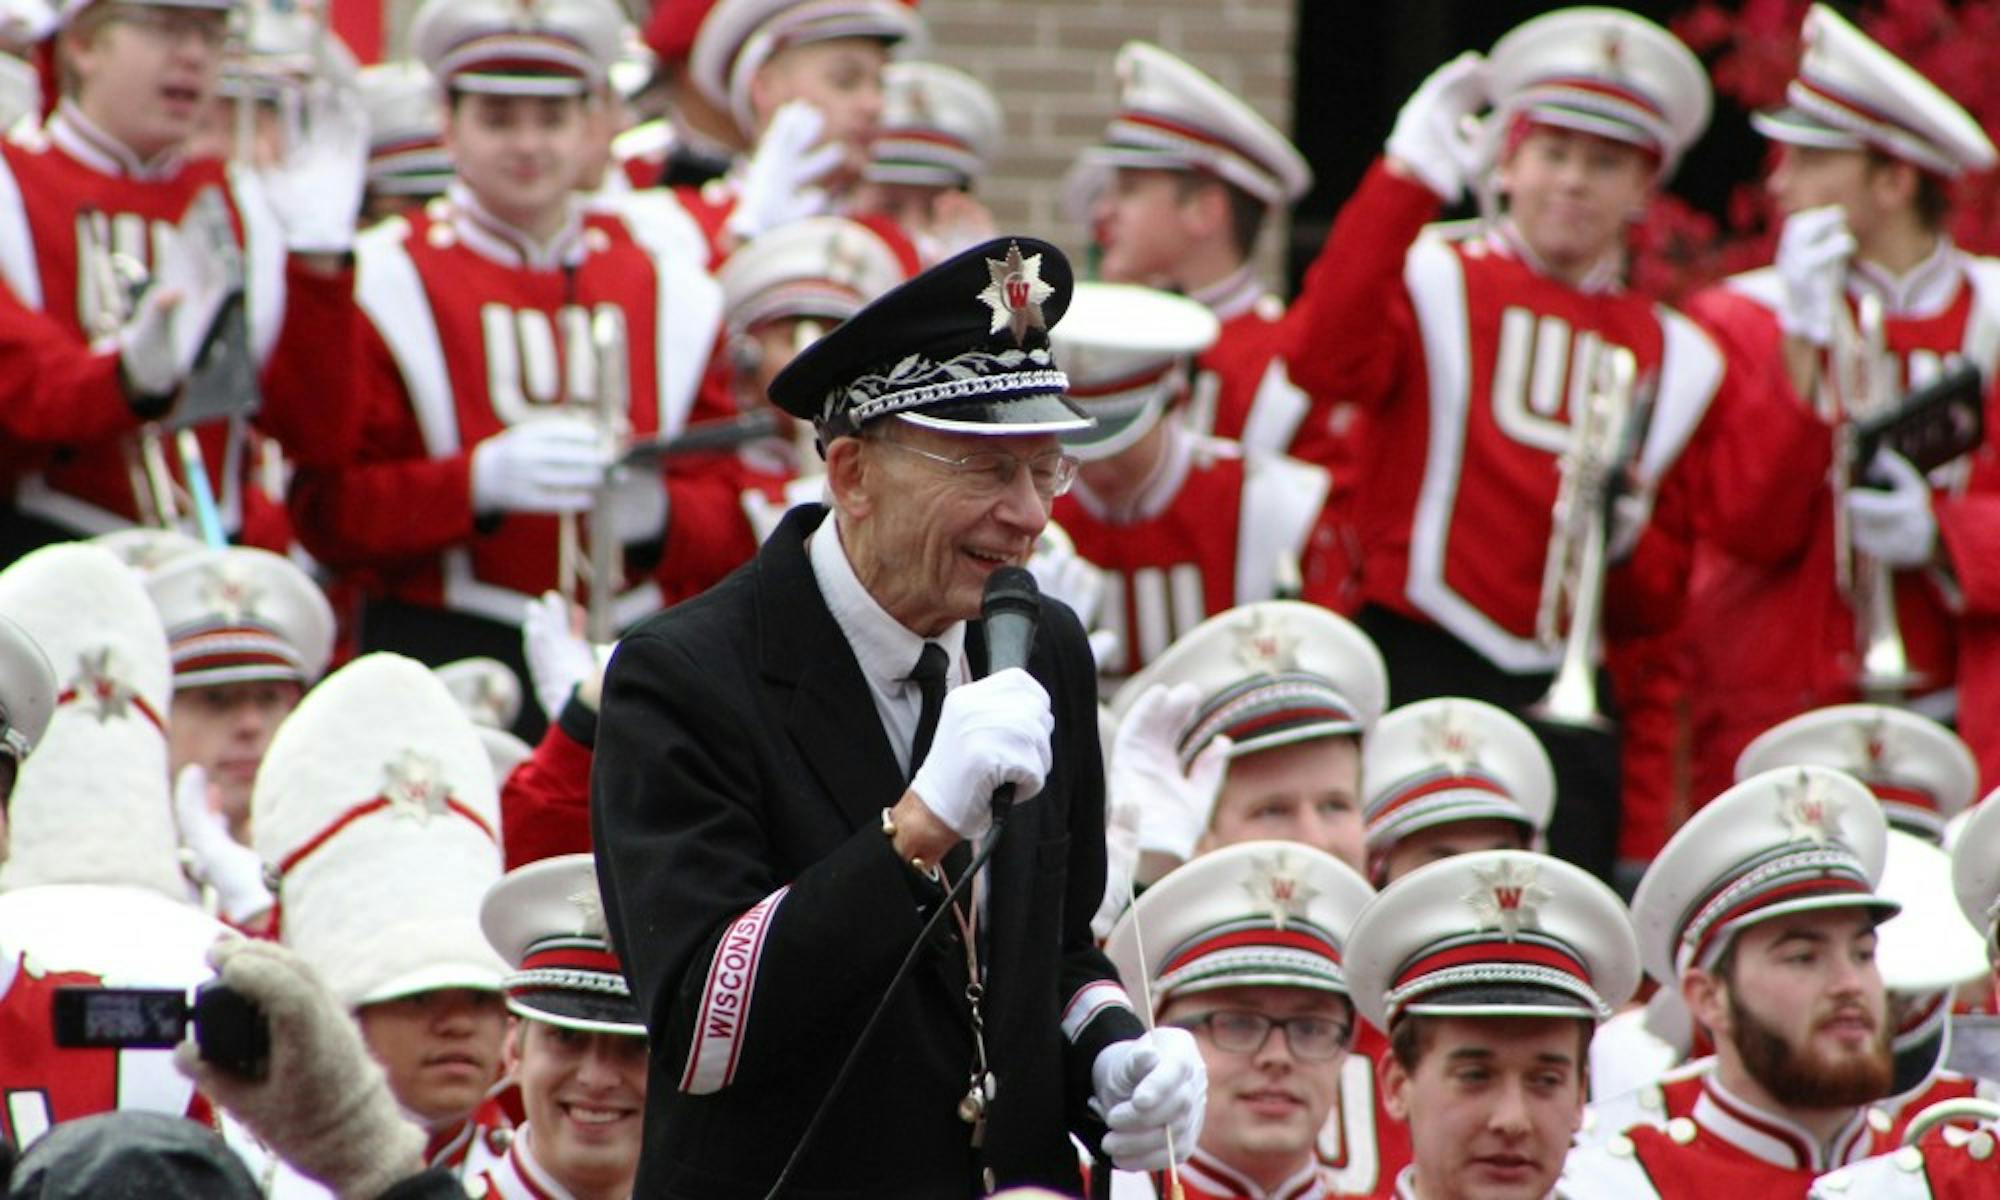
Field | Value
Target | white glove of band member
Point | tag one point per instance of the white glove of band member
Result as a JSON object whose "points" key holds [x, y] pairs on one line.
{"points": [[1811, 261], [559, 656], [992, 731], [1430, 136], [220, 861], [1121, 863], [325, 1106], [636, 504], [316, 190], [1146, 770], [1063, 574], [1146, 1088], [148, 351], [778, 184], [1893, 522], [159, 342], [548, 465]]}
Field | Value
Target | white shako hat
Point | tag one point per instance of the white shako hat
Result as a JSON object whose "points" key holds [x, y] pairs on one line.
{"points": [[146, 549], [70, 10], [376, 811], [24, 23], [1851, 94], [1925, 951], [1451, 759], [27, 692], [820, 268], [1171, 117], [518, 47], [546, 919], [283, 45], [240, 614], [1975, 871], [1252, 914], [1601, 71], [93, 805], [940, 127], [739, 36], [1495, 933], [406, 154], [1795, 839], [1920, 771], [1125, 349], [1270, 674]]}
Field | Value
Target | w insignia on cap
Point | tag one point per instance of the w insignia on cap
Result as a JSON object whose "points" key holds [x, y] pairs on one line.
{"points": [[1878, 750], [1264, 644], [98, 684], [229, 595], [1508, 898], [415, 789], [1016, 294], [1809, 813], [589, 912], [1279, 886], [1450, 743]]}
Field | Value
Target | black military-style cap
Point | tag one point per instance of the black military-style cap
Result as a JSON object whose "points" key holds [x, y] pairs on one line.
{"points": [[963, 347]]}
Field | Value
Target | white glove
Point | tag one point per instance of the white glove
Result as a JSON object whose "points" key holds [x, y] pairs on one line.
{"points": [[636, 505], [1813, 250], [1063, 574], [559, 656], [324, 1106], [159, 342], [1893, 525], [316, 190], [1121, 862], [1431, 136], [1146, 770], [147, 348], [990, 732], [220, 861], [778, 184], [551, 464], [1146, 1089]]}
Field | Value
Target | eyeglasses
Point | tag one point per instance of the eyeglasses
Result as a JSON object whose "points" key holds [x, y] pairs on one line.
{"points": [[171, 23], [991, 472], [1312, 1039]]}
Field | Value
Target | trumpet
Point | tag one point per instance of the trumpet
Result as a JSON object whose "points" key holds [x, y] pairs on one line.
{"points": [[1572, 598], [1862, 385], [592, 561]]}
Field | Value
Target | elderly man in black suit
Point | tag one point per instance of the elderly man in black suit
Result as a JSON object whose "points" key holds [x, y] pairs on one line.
{"points": [[792, 768]]}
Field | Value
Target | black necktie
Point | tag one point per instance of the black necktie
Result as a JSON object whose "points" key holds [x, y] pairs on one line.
{"points": [[929, 678]]}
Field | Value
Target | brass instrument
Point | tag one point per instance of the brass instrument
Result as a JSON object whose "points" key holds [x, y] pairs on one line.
{"points": [[591, 561], [113, 283], [1862, 382], [1572, 598]]}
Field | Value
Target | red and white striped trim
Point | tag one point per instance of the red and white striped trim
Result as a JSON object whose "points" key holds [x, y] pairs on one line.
{"points": [[1432, 798], [1091, 1000], [724, 1016], [101, 694]]}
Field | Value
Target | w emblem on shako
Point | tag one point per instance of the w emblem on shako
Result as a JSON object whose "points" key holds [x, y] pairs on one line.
{"points": [[1449, 742], [1016, 293], [1508, 897], [1809, 813], [1277, 885], [1263, 644], [229, 595]]}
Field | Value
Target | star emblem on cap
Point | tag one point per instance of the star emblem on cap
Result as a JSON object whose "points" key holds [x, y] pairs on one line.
{"points": [[589, 908], [1016, 294], [1878, 747], [228, 594], [1809, 813], [1449, 743], [1612, 50], [99, 684], [416, 787], [1278, 886], [1265, 645], [1508, 897]]}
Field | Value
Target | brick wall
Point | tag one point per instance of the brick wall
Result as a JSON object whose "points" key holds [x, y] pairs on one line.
{"points": [[1049, 62]]}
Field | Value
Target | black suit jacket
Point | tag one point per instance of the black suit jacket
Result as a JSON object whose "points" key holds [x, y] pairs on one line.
{"points": [[736, 800]]}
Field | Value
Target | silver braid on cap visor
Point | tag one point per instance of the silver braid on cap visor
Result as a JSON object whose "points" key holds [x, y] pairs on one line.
{"points": [[1240, 962], [1824, 861], [1473, 974], [568, 980], [1265, 694], [917, 381]]}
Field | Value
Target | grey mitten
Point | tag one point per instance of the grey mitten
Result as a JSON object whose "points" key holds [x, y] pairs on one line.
{"points": [[324, 1106]]}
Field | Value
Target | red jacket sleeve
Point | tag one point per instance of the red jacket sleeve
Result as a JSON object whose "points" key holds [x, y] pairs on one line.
{"points": [[545, 803], [311, 401], [58, 390]]}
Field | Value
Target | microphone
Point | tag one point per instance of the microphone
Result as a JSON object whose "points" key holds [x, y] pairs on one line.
{"points": [[1010, 609]]}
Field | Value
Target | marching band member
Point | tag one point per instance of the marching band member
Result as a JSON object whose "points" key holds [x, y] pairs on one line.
{"points": [[98, 198], [1243, 949], [377, 810], [1250, 727], [1866, 149], [408, 165], [940, 130], [575, 1045], [505, 326], [1490, 971], [1762, 911], [1480, 355], [1183, 525]]}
